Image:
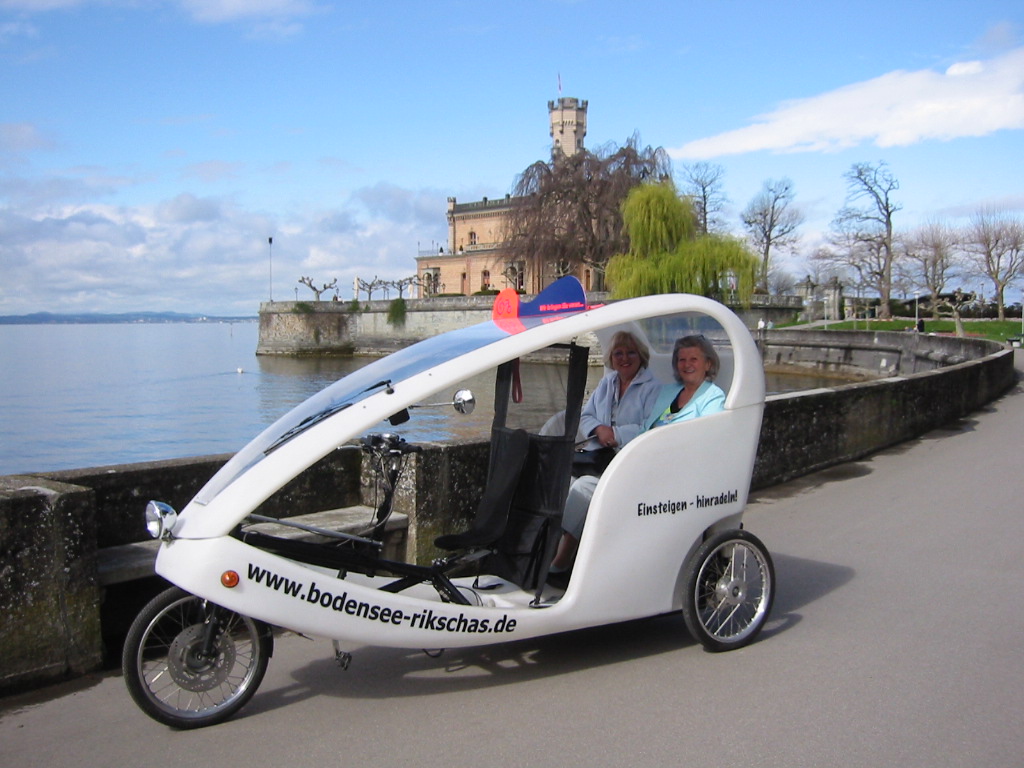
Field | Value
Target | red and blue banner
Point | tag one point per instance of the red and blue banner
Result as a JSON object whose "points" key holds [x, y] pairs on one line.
{"points": [[562, 297]]}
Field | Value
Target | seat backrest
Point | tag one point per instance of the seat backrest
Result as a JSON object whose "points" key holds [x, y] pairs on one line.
{"points": [[525, 549], [528, 477], [509, 450]]}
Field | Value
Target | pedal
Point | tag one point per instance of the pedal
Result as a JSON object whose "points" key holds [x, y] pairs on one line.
{"points": [[342, 658]]}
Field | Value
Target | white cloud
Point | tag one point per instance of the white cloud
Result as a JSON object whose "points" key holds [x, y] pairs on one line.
{"points": [[965, 68], [971, 98], [186, 208], [204, 11], [216, 11], [16, 138], [39, 5], [999, 37], [197, 253], [213, 171], [14, 29]]}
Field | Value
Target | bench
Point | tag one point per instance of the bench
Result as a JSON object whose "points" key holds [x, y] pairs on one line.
{"points": [[128, 562]]}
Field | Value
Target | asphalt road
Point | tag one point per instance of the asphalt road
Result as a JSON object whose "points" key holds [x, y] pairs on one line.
{"points": [[895, 640]]}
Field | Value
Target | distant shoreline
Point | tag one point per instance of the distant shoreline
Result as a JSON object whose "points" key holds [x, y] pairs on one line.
{"points": [[105, 318]]}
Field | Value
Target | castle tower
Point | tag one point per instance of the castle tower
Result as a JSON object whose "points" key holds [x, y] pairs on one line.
{"points": [[568, 125]]}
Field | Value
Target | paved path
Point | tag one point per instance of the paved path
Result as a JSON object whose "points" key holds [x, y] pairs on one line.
{"points": [[895, 641]]}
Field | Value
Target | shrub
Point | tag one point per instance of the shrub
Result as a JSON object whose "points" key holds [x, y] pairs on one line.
{"points": [[396, 313]]}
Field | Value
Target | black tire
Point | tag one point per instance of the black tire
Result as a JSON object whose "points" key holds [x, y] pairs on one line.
{"points": [[173, 684], [729, 589]]}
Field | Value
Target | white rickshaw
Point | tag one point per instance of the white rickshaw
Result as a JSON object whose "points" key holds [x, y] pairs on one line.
{"points": [[663, 532]]}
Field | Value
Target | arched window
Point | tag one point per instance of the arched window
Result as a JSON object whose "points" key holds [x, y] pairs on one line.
{"points": [[485, 280]]}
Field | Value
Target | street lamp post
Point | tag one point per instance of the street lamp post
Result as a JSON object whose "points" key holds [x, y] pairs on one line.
{"points": [[270, 255]]}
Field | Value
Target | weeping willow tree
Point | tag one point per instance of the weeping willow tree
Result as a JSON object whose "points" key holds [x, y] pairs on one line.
{"points": [[668, 254]]}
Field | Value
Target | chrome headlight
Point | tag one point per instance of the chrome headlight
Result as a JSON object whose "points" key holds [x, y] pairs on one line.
{"points": [[160, 519]]}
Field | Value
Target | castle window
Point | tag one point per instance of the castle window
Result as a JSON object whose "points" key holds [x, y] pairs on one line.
{"points": [[485, 280], [472, 238], [432, 280]]}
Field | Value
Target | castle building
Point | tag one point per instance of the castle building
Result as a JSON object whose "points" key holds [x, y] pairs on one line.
{"points": [[568, 118], [475, 259]]}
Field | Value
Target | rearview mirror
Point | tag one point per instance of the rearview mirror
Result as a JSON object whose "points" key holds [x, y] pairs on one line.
{"points": [[463, 401]]}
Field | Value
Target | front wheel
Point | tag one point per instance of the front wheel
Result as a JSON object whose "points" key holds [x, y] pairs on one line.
{"points": [[188, 663], [729, 588]]}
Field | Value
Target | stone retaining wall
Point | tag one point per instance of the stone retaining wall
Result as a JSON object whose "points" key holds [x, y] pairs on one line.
{"points": [[53, 525], [333, 328], [866, 354]]}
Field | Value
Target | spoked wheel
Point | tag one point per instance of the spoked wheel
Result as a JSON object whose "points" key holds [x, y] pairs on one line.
{"points": [[729, 586], [188, 663]]}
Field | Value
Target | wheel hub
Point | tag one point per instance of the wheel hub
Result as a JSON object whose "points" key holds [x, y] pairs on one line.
{"points": [[192, 671], [731, 591]]}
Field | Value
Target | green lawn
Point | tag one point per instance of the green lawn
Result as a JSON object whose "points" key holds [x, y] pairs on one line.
{"points": [[987, 329]]}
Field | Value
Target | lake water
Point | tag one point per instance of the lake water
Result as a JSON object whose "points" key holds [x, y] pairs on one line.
{"points": [[75, 396]]}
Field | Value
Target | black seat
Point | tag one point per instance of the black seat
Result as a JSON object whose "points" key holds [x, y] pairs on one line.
{"points": [[508, 454], [518, 518]]}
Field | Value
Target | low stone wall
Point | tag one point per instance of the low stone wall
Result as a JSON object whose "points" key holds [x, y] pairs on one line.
{"points": [[49, 596], [333, 328], [866, 354], [803, 432], [52, 526]]}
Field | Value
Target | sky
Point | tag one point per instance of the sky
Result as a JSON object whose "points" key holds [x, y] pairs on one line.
{"points": [[150, 148]]}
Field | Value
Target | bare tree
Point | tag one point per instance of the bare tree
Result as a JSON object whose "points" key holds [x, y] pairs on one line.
{"points": [[702, 183], [402, 284], [994, 244], [931, 256], [568, 211], [952, 305], [872, 224], [771, 223], [781, 282], [855, 260], [308, 282], [370, 286]]}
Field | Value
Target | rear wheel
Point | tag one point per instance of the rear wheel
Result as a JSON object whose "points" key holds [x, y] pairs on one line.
{"points": [[170, 675], [729, 588]]}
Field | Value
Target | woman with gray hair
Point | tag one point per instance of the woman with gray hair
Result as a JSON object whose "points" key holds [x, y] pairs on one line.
{"points": [[619, 409], [695, 364]]}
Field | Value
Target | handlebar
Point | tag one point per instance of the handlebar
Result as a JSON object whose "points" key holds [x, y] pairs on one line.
{"points": [[387, 442]]}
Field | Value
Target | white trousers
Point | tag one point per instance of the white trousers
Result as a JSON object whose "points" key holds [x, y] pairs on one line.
{"points": [[577, 503]]}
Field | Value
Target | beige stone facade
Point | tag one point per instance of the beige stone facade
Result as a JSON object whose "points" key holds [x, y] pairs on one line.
{"points": [[475, 259]]}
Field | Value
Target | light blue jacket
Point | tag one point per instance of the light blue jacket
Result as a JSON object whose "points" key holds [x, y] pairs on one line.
{"points": [[627, 416], [709, 398]]}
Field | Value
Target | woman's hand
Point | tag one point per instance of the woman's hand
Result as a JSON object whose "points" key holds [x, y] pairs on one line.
{"points": [[605, 436]]}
